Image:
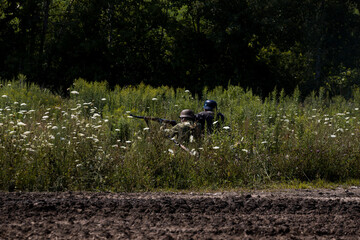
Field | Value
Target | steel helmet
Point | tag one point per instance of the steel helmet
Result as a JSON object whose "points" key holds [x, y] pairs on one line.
{"points": [[187, 113], [210, 105]]}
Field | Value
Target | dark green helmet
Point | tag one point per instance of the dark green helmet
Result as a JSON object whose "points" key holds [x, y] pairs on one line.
{"points": [[187, 113], [210, 105]]}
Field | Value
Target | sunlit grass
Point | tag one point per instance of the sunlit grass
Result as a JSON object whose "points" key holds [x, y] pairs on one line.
{"points": [[89, 142]]}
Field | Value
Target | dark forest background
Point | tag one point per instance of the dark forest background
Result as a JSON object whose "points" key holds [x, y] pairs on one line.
{"points": [[183, 43]]}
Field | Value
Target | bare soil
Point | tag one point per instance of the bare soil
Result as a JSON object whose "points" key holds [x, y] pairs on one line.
{"points": [[287, 214]]}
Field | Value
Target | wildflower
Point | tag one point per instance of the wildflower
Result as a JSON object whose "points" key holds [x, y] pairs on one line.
{"points": [[123, 147], [96, 115], [45, 117], [4, 96], [130, 116], [74, 92], [356, 109], [117, 130], [187, 91], [54, 128], [333, 136], [146, 129], [245, 150], [23, 104], [78, 165], [103, 99], [128, 141], [216, 147], [27, 132], [263, 142], [171, 151], [115, 146], [154, 99], [21, 124], [226, 128]]}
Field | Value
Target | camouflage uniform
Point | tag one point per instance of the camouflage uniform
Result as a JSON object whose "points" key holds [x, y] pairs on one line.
{"points": [[185, 132]]}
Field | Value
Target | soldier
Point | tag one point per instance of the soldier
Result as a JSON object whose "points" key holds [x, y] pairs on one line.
{"points": [[207, 117], [187, 130]]}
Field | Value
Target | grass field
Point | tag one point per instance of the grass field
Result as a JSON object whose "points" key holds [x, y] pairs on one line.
{"points": [[88, 141]]}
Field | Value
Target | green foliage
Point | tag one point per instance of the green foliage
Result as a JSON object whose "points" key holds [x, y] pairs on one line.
{"points": [[183, 44], [88, 141]]}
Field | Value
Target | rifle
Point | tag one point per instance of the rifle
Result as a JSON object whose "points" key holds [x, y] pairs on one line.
{"points": [[160, 120], [173, 123]]}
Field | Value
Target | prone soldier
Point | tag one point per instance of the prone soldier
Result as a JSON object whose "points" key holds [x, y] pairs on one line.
{"points": [[187, 130]]}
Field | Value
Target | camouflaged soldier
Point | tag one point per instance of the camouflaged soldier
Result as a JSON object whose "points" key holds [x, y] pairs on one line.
{"points": [[187, 130], [209, 118]]}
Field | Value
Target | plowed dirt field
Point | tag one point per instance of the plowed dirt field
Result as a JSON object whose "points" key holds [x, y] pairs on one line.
{"points": [[286, 214]]}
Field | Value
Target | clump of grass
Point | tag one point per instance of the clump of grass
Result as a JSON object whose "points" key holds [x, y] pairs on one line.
{"points": [[88, 141]]}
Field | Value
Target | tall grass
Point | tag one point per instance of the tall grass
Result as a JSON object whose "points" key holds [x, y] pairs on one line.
{"points": [[88, 141]]}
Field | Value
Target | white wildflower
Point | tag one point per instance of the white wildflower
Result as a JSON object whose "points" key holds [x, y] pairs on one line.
{"points": [[27, 133], [171, 151], [103, 99], [4, 96], [21, 124], [154, 99], [245, 150], [146, 129], [333, 136], [74, 92], [54, 128], [187, 91], [216, 147], [226, 128], [128, 141]]}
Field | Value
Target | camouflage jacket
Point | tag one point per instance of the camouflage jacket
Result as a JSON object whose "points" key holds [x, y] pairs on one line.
{"points": [[185, 132]]}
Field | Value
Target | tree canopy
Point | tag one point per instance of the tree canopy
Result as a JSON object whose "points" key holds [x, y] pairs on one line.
{"points": [[181, 43]]}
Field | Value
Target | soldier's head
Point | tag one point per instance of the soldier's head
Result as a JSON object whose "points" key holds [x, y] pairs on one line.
{"points": [[187, 115], [210, 105]]}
